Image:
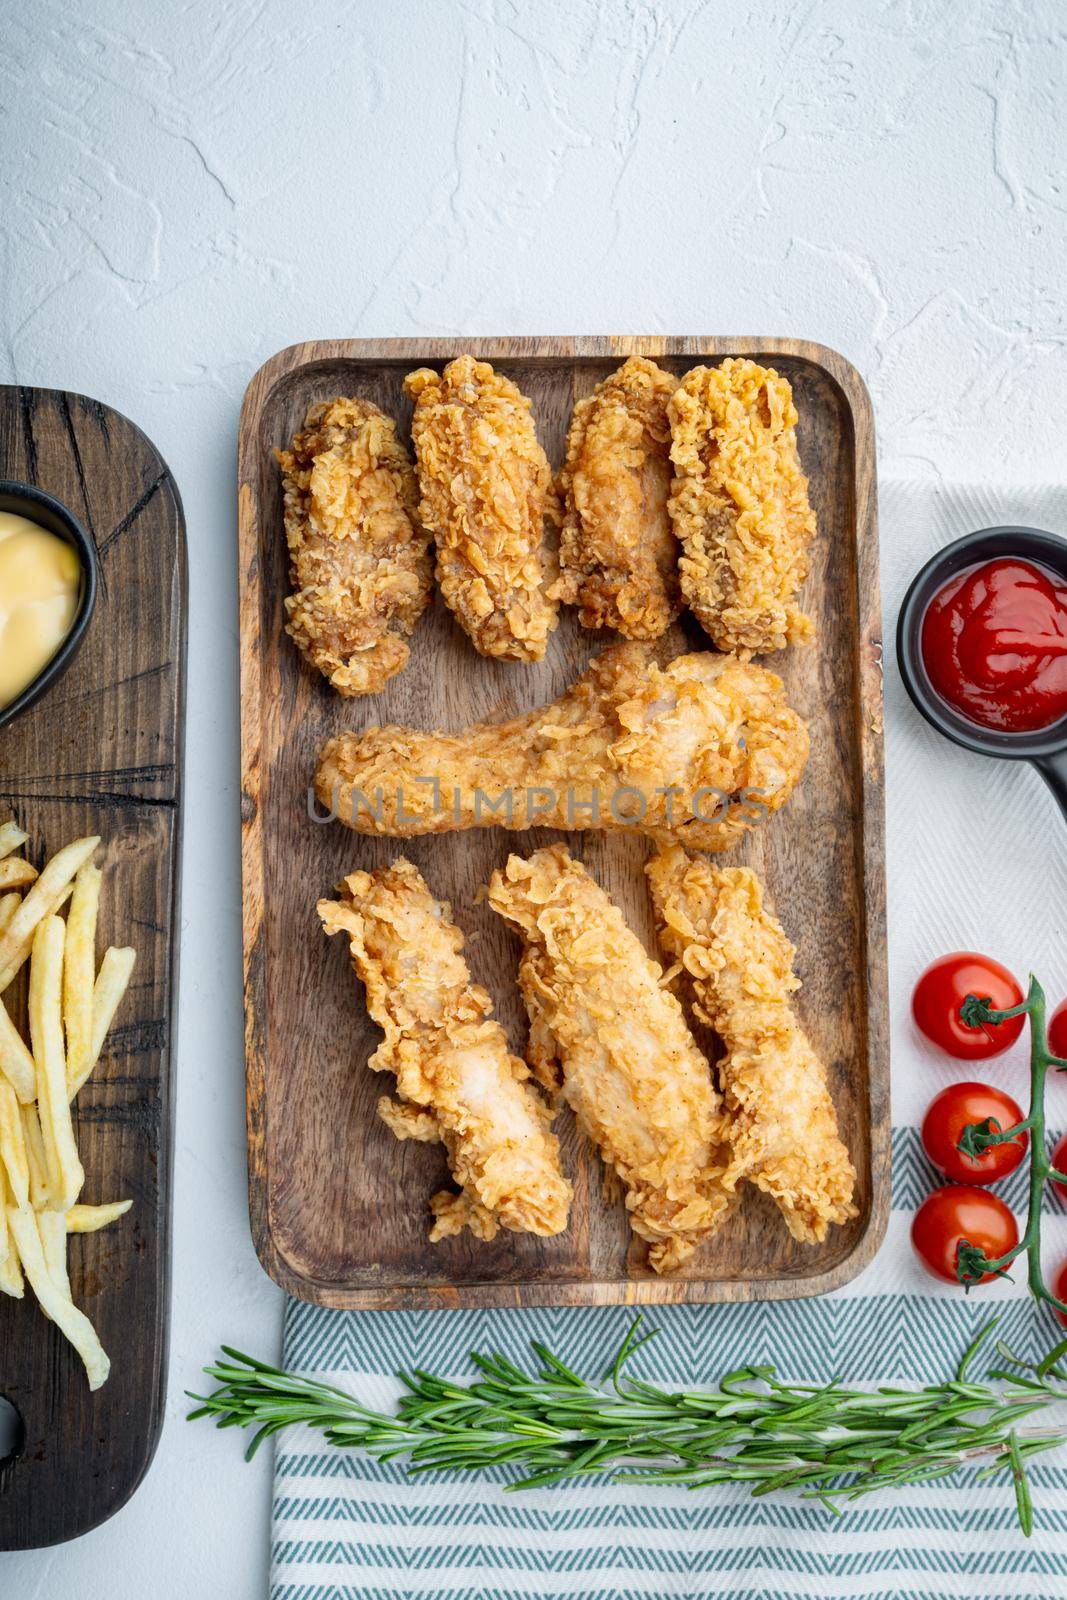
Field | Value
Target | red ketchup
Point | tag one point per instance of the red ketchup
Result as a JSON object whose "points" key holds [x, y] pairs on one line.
{"points": [[994, 644]]}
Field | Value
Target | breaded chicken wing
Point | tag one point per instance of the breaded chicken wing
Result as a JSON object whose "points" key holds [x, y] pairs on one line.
{"points": [[617, 1045], [740, 505], [618, 553], [455, 1077], [783, 1128], [699, 750], [359, 560], [484, 480]]}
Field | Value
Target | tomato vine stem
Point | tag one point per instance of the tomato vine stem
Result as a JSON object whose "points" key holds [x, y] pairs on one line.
{"points": [[972, 1263]]}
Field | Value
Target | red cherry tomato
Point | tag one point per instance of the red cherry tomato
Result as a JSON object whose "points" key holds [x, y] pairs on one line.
{"points": [[1057, 1031], [1059, 1161], [943, 988], [1059, 1289], [957, 1213], [949, 1113]]}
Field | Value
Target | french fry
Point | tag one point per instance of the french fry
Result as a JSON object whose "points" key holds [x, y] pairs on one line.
{"points": [[52, 1226], [88, 1219], [65, 1172], [36, 1159], [9, 1260], [70, 1321], [11, 838], [16, 873], [11, 1279], [79, 970], [16, 1062], [71, 1009], [43, 900], [111, 983], [10, 1270], [13, 1146]]}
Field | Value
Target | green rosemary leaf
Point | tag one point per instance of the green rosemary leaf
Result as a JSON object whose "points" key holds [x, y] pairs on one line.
{"points": [[1047, 1367], [1023, 1502], [973, 1348], [630, 1345]]}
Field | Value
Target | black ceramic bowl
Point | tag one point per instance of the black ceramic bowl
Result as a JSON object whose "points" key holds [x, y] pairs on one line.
{"points": [[1045, 747], [27, 501]]}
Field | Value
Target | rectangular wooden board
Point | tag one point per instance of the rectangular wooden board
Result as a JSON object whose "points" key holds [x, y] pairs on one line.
{"points": [[102, 753], [339, 1208]]}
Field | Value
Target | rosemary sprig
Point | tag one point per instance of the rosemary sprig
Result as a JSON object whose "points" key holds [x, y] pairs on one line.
{"points": [[828, 1442], [972, 1263]]}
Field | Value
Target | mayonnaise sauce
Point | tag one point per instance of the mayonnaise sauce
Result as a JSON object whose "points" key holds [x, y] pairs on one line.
{"points": [[40, 585]]}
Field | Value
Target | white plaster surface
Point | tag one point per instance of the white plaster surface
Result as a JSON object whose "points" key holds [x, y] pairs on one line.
{"points": [[186, 188]]}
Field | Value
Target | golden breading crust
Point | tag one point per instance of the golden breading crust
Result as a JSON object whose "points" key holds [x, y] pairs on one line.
{"points": [[617, 1045], [455, 1076], [484, 480], [740, 505], [618, 554], [783, 1130], [359, 561], [700, 751]]}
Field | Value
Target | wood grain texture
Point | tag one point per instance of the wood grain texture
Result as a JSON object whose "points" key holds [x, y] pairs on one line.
{"points": [[339, 1209], [102, 753]]}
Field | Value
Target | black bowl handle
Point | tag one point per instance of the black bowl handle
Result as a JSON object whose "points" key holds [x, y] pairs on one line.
{"points": [[1053, 769]]}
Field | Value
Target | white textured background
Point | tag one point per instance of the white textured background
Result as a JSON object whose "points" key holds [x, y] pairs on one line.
{"points": [[187, 188]]}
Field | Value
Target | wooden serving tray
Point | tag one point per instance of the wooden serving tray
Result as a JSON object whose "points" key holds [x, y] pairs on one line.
{"points": [[102, 753], [339, 1208]]}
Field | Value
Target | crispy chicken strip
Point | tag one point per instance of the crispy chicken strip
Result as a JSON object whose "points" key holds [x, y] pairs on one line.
{"points": [[484, 480], [618, 553], [740, 965], [359, 561], [455, 1077], [616, 1044], [700, 750], [740, 505]]}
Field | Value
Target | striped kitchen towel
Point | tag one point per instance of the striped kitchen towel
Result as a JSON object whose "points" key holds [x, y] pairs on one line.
{"points": [[346, 1528]]}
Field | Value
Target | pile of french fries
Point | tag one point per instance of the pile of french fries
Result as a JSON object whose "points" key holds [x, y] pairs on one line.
{"points": [[71, 1007]]}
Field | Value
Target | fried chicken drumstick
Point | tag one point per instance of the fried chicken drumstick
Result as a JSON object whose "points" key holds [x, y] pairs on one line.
{"points": [[618, 553], [783, 1128], [699, 750], [616, 1044], [740, 505], [484, 480], [456, 1079], [359, 560]]}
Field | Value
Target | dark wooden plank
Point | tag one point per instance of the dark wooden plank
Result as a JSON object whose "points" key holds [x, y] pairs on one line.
{"points": [[102, 753], [338, 1208]]}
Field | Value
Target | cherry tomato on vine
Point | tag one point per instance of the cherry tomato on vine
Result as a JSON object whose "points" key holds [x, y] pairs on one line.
{"points": [[943, 988], [1059, 1161], [956, 1213], [949, 1113], [1057, 1031], [1059, 1289]]}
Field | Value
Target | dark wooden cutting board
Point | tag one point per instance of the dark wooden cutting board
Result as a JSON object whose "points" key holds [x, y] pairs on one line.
{"points": [[102, 753], [340, 1209]]}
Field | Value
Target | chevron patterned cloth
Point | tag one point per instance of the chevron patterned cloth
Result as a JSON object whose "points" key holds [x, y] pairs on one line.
{"points": [[346, 1528]]}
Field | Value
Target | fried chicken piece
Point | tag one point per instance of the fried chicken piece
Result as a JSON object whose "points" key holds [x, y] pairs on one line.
{"points": [[455, 1076], [700, 750], [359, 560], [740, 505], [615, 1043], [739, 962], [618, 553], [484, 480]]}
